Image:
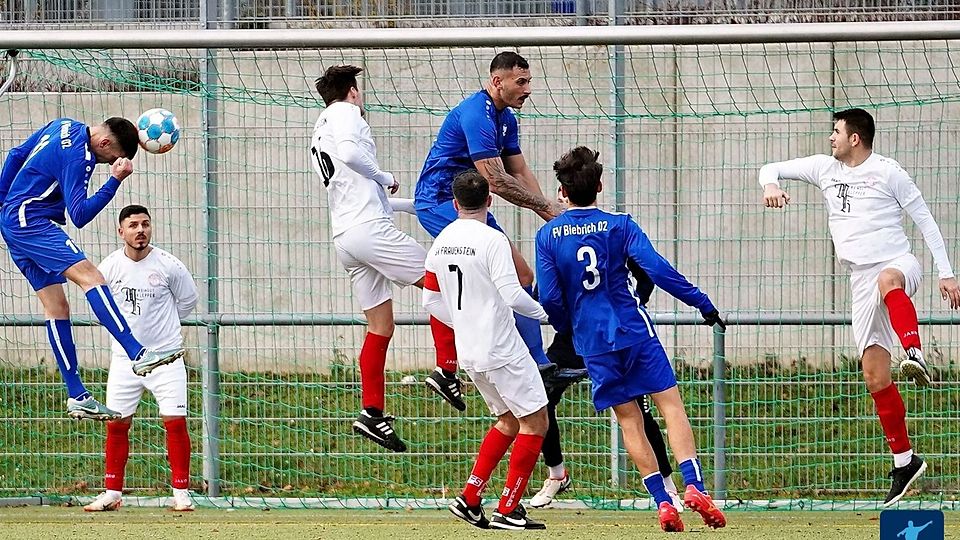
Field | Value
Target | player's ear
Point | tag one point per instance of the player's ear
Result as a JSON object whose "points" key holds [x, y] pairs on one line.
{"points": [[599, 186], [489, 201], [456, 205]]}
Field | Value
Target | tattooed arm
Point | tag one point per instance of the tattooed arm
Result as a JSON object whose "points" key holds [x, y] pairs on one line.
{"points": [[515, 190]]}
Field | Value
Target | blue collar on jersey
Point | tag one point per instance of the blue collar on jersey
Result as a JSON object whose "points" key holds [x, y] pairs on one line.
{"points": [[484, 90]]}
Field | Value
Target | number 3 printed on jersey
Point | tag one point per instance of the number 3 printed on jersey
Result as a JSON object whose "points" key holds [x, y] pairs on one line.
{"points": [[588, 255]]}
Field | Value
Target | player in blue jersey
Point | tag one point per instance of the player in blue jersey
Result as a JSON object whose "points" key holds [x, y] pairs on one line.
{"points": [[585, 288], [481, 133], [41, 179]]}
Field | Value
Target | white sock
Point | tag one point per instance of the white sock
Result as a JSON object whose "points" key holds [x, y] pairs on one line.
{"points": [[557, 472], [114, 493], [668, 484], [903, 458]]}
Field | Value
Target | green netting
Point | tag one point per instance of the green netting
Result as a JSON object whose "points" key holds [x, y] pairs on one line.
{"points": [[695, 124]]}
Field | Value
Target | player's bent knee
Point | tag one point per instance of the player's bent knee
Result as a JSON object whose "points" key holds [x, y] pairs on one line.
{"points": [[536, 423], [889, 280], [507, 424], [85, 275]]}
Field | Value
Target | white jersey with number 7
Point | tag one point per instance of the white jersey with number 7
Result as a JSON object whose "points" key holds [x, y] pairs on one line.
{"points": [[474, 268]]}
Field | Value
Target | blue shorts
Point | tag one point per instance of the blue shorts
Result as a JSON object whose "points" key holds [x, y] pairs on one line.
{"points": [[42, 251], [625, 375], [436, 218]]}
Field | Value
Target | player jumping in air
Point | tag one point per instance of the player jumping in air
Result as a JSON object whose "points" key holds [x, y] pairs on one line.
{"points": [[866, 195], [585, 287], [370, 247], [42, 178], [154, 290], [472, 282], [482, 133]]}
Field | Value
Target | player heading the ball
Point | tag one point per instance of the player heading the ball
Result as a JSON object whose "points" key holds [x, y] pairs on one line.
{"points": [[43, 179]]}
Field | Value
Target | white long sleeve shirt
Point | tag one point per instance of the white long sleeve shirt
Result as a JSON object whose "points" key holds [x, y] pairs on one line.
{"points": [[478, 283], [345, 157], [153, 294], [865, 206]]}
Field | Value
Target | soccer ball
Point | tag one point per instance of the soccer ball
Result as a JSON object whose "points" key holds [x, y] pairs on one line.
{"points": [[158, 130]]}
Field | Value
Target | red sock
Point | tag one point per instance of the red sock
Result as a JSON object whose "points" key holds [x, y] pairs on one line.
{"points": [[903, 318], [492, 449], [117, 452], [373, 358], [178, 451], [523, 459], [444, 342], [893, 418]]}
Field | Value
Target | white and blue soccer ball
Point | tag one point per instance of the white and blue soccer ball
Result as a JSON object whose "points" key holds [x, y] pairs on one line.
{"points": [[158, 130]]}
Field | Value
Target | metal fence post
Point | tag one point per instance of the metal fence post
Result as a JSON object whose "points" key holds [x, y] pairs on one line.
{"points": [[211, 364], [719, 414], [615, 55]]}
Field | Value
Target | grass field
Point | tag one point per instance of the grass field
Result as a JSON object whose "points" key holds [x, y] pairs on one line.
{"points": [[806, 434], [72, 523]]}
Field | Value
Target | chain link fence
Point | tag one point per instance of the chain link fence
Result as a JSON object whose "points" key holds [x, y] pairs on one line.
{"points": [[40, 14]]}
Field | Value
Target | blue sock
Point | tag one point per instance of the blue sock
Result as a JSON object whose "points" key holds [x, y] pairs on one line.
{"points": [[654, 484], [61, 340], [112, 319], [530, 333], [693, 473]]}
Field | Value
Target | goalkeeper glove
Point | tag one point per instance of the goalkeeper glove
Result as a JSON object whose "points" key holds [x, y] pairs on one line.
{"points": [[712, 318]]}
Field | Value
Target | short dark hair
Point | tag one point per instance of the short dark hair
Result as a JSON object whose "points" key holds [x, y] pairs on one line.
{"points": [[470, 189], [132, 210], [579, 172], [336, 82], [125, 133], [508, 60], [860, 122]]}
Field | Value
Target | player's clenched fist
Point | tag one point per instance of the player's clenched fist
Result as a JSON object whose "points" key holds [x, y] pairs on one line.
{"points": [[121, 168], [774, 197]]}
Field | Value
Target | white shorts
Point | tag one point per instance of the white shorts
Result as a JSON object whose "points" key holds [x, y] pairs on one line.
{"points": [[378, 253], [168, 384], [515, 387], [871, 321]]}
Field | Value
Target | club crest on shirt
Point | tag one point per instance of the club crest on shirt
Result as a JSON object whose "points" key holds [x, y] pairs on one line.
{"points": [[155, 279]]}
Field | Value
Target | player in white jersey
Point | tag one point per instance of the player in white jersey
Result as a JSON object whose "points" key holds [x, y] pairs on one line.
{"points": [[472, 282], [154, 291], [866, 195], [368, 244]]}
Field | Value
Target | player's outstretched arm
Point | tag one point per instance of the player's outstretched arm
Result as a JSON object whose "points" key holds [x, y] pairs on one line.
{"points": [[516, 166], [910, 199], [511, 189], [347, 128], [400, 204], [806, 169], [661, 272], [83, 209]]}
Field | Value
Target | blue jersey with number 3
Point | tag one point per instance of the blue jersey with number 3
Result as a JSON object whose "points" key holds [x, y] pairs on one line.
{"points": [[48, 174], [586, 285]]}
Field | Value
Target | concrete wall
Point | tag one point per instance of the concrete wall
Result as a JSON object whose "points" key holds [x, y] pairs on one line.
{"points": [[700, 121]]}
